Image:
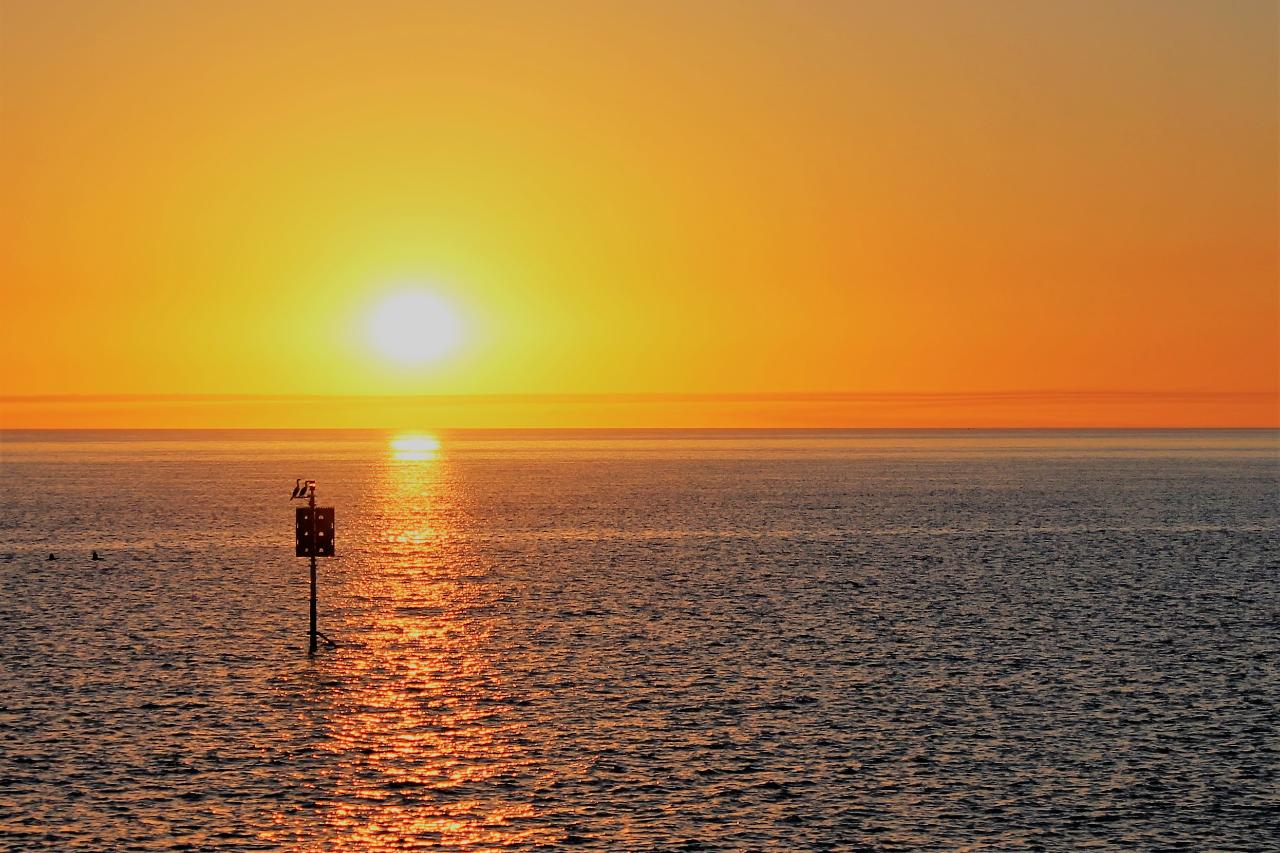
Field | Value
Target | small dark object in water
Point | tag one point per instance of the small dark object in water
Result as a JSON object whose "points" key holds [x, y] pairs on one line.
{"points": [[50, 557], [95, 556]]}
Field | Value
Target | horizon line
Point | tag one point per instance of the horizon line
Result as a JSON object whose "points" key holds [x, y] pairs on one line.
{"points": [[643, 429], [1045, 408], [663, 397]]}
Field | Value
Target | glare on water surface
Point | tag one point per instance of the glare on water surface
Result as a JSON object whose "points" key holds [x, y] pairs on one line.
{"points": [[418, 730], [414, 447]]}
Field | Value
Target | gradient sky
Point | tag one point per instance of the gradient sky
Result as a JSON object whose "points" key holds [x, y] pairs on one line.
{"points": [[744, 198]]}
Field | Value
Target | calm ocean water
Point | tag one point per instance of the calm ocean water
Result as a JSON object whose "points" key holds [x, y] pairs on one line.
{"points": [[648, 641]]}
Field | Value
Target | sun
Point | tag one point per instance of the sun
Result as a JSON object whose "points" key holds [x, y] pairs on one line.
{"points": [[413, 327]]}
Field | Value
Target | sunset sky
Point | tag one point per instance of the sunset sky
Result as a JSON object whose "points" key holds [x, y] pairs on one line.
{"points": [[713, 213]]}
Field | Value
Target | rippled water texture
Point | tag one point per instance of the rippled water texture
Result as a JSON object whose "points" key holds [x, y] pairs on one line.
{"points": [[880, 641]]}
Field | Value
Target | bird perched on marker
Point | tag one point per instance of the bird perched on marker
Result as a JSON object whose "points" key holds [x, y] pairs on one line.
{"points": [[297, 487]]}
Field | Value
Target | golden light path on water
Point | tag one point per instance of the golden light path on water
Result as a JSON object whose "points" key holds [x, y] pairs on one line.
{"points": [[420, 733], [415, 448]]}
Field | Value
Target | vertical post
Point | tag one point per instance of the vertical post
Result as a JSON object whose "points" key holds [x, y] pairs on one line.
{"points": [[311, 646]]}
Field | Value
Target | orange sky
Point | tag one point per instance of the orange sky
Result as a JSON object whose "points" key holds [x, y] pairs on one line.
{"points": [[1073, 205]]}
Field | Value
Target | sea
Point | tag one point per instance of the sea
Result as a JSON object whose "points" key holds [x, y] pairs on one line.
{"points": [[642, 641]]}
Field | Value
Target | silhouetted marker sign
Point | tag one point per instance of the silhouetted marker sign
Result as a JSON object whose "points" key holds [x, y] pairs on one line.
{"points": [[314, 529]]}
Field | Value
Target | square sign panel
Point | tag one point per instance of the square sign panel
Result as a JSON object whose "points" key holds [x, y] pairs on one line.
{"points": [[314, 530], [304, 530], [324, 531]]}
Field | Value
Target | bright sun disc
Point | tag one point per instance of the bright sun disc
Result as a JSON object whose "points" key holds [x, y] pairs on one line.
{"points": [[413, 327]]}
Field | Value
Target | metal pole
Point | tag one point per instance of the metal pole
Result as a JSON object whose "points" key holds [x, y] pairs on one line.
{"points": [[311, 647]]}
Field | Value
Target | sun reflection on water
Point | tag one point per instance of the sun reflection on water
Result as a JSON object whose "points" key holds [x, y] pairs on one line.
{"points": [[411, 488], [421, 734], [415, 447]]}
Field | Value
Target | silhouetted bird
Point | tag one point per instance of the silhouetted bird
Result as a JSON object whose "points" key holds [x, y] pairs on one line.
{"points": [[95, 556], [297, 487], [51, 557]]}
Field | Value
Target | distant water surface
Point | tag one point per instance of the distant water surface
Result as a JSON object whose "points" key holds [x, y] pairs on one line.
{"points": [[643, 641]]}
